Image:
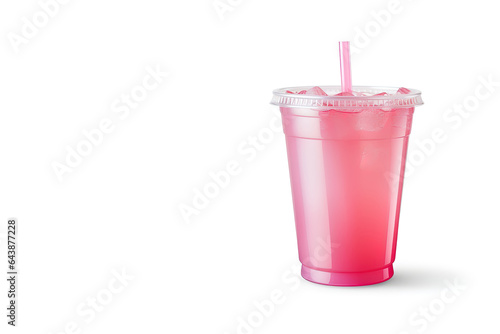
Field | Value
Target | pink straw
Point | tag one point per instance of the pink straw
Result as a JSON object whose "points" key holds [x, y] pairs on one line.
{"points": [[345, 67]]}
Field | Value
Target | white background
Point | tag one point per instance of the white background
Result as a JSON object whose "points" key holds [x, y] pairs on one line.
{"points": [[119, 208]]}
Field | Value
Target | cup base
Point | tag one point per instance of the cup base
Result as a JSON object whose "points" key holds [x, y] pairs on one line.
{"points": [[346, 278]]}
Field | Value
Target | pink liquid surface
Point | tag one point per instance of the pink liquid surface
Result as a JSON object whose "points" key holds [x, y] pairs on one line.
{"points": [[346, 171]]}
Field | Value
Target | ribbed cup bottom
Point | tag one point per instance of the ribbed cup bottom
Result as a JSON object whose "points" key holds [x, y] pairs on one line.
{"points": [[347, 279]]}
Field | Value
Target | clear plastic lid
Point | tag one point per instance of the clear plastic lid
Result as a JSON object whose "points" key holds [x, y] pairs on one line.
{"points": [[365, 97]]}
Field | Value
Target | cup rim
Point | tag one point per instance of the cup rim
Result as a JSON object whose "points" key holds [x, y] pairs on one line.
{"points": [[393, 99]]}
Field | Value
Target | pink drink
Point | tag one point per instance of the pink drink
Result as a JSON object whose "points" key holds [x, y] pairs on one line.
{"points": [[346, 157]]}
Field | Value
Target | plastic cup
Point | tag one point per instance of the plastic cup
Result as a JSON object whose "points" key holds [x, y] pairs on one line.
{"points": [[346, 157]]}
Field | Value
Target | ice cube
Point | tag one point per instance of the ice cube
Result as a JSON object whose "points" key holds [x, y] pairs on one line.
{"points": [[403, 90], [315, 91], [344, 94], [302, 92], [381, 94], [372, 120], [289, 92]]}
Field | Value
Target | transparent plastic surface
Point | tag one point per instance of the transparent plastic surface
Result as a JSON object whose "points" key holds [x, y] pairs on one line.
{"points": [[365, 97], [346, 171]]}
